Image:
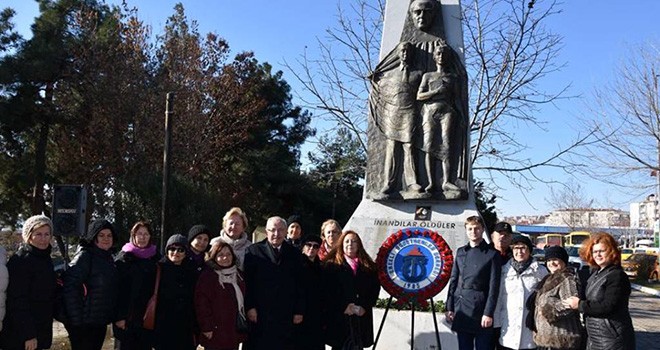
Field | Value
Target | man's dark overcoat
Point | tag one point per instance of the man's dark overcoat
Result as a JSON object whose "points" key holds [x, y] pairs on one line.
{"points": [[273, 287]]}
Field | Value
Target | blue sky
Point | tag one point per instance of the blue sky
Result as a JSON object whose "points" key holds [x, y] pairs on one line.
{"points": [[597, 36]]}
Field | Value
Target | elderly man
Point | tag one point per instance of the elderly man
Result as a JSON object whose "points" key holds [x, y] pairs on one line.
{"points": [[274, 297], [501, 237]]}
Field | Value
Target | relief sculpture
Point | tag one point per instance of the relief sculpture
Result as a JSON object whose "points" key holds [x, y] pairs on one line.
{"points": [[418, 104]]}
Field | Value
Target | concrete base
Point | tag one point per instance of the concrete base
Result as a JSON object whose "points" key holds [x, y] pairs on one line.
{"points": [[396, 331]]}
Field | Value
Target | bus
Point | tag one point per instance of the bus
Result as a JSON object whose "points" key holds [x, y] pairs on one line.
{"points": [[548, 240], [576, 238]]}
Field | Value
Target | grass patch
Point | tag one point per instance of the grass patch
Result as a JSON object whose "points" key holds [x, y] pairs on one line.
{"points": [[381, 303]]}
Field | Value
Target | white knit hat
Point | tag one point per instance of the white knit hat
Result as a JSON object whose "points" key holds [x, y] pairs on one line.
{"points": [[34, 222]]}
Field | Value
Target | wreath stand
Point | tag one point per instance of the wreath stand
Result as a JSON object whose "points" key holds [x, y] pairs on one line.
{"points": [[412, 324], [394, 245]]}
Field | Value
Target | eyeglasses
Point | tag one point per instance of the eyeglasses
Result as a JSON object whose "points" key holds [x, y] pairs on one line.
{"points": [[176, 249], [313, 245], [596, 252]]}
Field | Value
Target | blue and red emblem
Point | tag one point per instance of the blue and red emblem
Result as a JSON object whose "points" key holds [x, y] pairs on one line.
{"points": [[414, 265]]}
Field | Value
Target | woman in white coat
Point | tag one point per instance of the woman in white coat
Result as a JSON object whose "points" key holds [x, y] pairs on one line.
{"points": [[519, 276]]}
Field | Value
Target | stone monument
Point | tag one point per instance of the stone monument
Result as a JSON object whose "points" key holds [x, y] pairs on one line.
{"points": [[418, 167]]}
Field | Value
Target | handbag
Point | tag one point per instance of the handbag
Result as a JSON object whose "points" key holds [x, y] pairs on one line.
{"points": [[241, 323], [149, 319], [354, 339]]}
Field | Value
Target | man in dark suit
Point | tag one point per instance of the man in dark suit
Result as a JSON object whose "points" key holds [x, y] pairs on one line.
{"points": [[274, 297]]}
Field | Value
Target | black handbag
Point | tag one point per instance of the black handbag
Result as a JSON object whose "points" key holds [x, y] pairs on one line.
{"points": [[354, 339], [241, 323]]}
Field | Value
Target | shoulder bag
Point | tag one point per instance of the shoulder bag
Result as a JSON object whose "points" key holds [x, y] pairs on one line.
{"points": [[149, 319]]}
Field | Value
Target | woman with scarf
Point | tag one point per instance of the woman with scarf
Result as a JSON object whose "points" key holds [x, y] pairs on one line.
{"points": [[330, 232], [234, 226], [519, 276], [219, 300], [175, 325], [136, 265], [353, 287], [28, 324]]}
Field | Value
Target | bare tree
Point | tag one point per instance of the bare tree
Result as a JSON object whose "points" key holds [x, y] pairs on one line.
{"points": [[508, 51], [335, 82], [626, 116], [569, 195]]}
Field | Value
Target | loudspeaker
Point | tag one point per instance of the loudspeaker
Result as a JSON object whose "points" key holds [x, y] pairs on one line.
{"points": [[69, 210]]}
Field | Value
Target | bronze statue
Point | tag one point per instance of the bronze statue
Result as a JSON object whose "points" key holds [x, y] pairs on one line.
{"points": [[397, 83], [438, 92], [418, 104]]}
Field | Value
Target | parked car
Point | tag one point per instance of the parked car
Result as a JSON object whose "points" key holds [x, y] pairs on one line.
{"points": [[575, 260], [641, 265], [539, 255], [626, 253]]}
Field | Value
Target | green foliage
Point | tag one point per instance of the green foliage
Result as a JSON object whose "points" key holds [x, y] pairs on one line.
{"points": [[338, 169], [382, 304], [485, 205], [82, 102], [8, 37]]}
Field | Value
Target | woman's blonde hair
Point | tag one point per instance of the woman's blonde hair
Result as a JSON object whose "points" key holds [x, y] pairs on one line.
{"points": [[327, 223], [235, 211]]}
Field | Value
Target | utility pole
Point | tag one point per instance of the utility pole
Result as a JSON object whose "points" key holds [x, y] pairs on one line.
{"points": [[164, 222], [656, 223]]}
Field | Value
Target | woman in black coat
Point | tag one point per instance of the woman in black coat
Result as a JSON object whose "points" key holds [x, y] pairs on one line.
{"points": [[90, 288], [309, 334], [175, 311], [352, 292], [605, 307], [28, 324], [136, 264]]}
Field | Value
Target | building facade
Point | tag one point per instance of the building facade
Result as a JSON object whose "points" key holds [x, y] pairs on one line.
{"points": [[643, 214], [580, 218]]}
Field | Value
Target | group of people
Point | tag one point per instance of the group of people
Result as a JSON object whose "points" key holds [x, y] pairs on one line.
{"points": [[295, 291], [289, 291], [499, 297]]}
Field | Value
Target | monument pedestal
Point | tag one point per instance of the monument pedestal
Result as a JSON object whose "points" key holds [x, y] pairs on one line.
{"points": [[418, 173], [374, 221]]}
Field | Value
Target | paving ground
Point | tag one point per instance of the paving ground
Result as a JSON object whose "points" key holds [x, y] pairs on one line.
{"points": [[645, 312], [644, 309]]}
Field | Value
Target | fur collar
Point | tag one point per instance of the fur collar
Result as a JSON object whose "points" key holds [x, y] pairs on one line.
{"points": [[552, 280]]}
